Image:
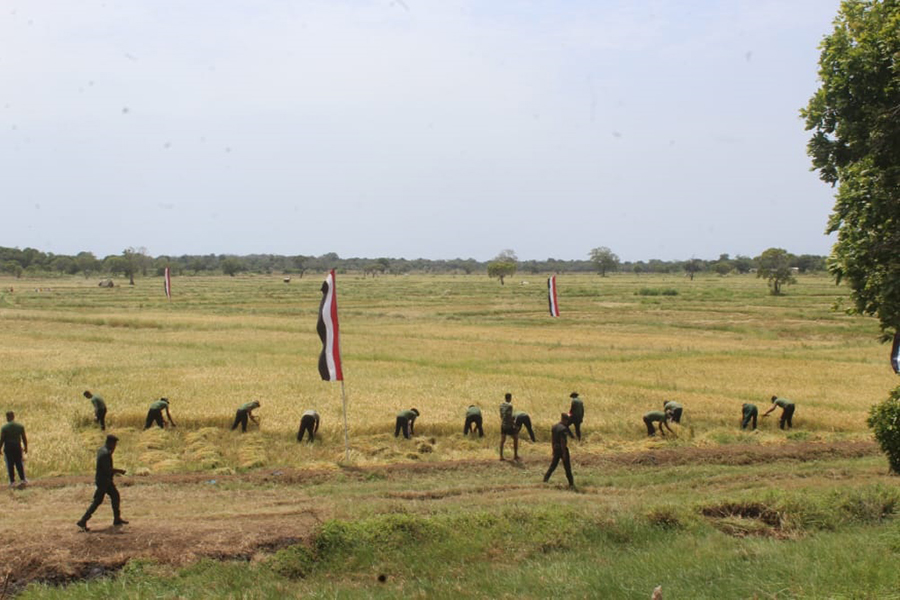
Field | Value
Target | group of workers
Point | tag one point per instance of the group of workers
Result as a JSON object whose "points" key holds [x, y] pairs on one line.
{"points": [[14, 442]]}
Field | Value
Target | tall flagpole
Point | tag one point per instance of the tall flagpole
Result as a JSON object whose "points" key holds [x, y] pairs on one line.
{"points": [[346, 434]]}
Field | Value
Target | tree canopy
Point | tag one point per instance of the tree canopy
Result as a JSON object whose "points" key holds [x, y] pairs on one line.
{"points": [[604, 260], [855, 145]]}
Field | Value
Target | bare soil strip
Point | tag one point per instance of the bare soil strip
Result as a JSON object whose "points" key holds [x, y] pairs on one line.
{"points": [[178, 519]]}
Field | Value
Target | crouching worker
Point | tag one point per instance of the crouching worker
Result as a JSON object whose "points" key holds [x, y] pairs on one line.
{"points": [[657, 416], [749, 412], [309, 421], [474, 421], [154, 414], [99, 408], [105, 484], [787, 411], [560, 446], [245, 413], [522, 419], [674, 409], [406, 420]]}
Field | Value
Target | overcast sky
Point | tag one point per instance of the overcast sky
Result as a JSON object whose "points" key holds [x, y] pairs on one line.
{"points": [[411, 128]]}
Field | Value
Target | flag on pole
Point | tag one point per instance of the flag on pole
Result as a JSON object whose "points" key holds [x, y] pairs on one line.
{"points": [[168, 284], [551, 293], [895, 353], [330, 358]]}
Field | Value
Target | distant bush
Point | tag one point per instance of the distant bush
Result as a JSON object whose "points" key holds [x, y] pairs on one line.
{"points": [[656, 292], [884, 419]]}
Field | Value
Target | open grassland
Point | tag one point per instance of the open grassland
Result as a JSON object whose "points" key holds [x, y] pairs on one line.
{"points": [[712, 513], [439, 343]]}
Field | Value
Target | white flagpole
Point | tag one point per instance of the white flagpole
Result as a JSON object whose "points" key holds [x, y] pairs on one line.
{"points": [[346, 435]]}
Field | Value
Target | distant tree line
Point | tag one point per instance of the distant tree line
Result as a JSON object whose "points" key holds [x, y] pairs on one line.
{"points": [[137, 262]]}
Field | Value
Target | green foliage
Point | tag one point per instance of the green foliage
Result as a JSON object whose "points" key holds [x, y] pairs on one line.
{"points": [[656, 292], [855, 118], [604, 260], [504, 265], [774, 265], [884, 419]]}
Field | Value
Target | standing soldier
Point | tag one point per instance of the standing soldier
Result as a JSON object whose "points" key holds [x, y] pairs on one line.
{"points": [[309, 421], [154, 415], [244, 412], [13, 442], [521, 419], [674, 408], [576, 413], [99, 409], [657, 416], [560, 446], [508, 426], [103, 479], [406, 420], [748, 413], [473, 421], [787, 411]]}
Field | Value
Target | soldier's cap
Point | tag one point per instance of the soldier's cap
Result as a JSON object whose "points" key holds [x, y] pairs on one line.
{"points": [[573, 395], [111, 439]]}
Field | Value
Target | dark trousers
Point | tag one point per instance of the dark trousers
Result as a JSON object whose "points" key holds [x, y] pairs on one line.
{"points": [[101, 491], [154, 415], [473, 420], [402, 424], [577, 425], [13, 455], [526, 423], [787, 414], [306, 424], [100, 417], [748, 419], [564, 455], [649, 424], [240, 418], [676, 415]]}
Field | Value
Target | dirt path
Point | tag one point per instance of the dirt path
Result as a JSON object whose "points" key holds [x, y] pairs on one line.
{"points": [[177, 519]]}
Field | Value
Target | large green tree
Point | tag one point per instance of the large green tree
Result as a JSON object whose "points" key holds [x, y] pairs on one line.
{"points": [[855, 120], [504, 265], [775, 266], [604, 260]]}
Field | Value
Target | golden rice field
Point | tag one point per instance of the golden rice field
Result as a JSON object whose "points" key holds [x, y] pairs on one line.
{"points": [[439, 343]]}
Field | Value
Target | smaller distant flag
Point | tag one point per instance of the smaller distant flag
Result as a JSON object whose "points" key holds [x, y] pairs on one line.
{"points": [[895, 353], [168, 284], [327, 327], [551, 294]]}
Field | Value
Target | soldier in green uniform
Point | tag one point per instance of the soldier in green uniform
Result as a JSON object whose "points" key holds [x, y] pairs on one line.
{"points": [[560, 446], [309, 421], [657, 416], [103, 479], [406, 420], [674, 408], [576, 413], [749, 413], [508, 426], [522, 419], [245, 412], [13, 442], [99, 409], [787, 411], [154, 414], [474, 421]]}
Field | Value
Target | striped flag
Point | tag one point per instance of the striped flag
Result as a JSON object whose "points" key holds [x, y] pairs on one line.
{"points": [[168, 283], [895, 353], [551, 294], [330, 358]]}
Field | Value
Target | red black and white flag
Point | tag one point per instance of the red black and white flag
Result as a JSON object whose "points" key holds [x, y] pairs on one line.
{"points": [[895, 353], [168, 283], [330, 358], [551, 295]]}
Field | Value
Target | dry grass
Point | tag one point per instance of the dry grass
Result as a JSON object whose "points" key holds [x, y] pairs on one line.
{"points": [[437, 343]]}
